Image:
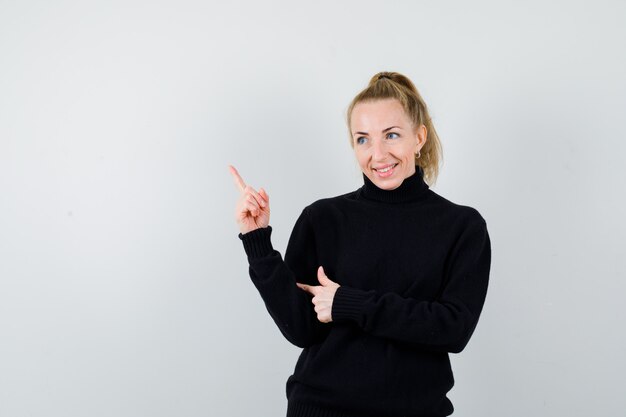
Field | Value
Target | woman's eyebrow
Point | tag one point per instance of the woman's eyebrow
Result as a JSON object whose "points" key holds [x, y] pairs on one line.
{"points": [[389, 128], [365, 133]]}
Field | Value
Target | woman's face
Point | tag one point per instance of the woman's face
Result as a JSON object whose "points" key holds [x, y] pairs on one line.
{"points": [[383, 136]]}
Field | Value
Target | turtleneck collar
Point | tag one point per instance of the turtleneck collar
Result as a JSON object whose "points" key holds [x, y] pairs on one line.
{"points": [[413, 188]]}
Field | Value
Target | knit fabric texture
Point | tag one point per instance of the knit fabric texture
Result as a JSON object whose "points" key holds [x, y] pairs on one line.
{"points": [[413, 269]]}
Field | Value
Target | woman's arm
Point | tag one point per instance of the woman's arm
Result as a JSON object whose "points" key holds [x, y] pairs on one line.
{"points": [[275, 279], [443, 324]]}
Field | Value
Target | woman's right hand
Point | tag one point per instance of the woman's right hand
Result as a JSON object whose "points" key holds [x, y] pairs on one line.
{"points": [[253, 208]]}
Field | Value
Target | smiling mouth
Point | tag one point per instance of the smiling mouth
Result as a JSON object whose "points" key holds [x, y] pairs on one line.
{"points": [[386, 169]]}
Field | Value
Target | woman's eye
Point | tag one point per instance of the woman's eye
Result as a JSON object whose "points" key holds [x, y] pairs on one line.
{"points": [[358, 140], [392, 133]]}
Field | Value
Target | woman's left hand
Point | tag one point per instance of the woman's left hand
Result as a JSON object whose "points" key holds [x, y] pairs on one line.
{"points": [[323, 295]]}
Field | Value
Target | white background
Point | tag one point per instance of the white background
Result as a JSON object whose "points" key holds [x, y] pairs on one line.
{"points": [[124, 289]]}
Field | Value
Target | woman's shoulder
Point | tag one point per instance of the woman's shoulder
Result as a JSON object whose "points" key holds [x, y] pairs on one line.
{"points": [[329, 207], [326, 202], [455, 209]]}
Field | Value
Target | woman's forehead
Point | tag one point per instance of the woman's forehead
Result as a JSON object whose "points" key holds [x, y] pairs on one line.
{"points": [[377, 113]]}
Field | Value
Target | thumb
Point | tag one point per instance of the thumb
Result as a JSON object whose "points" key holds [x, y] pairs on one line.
{"points": [[322, 278]]}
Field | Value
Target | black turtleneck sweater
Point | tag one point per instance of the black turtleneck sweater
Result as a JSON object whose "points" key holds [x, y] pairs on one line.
{"points": [[413, 270]]}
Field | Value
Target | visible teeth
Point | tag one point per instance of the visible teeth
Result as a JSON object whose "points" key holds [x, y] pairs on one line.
{"points": [[386, 169]]}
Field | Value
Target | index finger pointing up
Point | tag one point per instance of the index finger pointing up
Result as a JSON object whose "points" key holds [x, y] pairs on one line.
{"points": [[238, 180]]}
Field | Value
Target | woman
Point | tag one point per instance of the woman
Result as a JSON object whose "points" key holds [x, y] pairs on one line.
{"points": [[377, 285]]}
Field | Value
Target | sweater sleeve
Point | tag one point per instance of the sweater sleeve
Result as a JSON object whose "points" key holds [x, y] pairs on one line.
{"points": [[275, 278], [445, 323]]}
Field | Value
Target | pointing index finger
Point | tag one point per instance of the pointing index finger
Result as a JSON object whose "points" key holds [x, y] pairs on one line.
{"points": [[238, 180], [311, 289]]}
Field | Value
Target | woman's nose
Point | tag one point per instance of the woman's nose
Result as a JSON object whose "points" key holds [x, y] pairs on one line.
{"points": [[379, 149]]}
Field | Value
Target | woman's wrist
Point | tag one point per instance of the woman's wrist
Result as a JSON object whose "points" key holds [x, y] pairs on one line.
{"points": [[257, 242]]}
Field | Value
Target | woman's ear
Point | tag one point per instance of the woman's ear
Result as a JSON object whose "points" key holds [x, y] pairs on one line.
{"points": [[421, 134]]}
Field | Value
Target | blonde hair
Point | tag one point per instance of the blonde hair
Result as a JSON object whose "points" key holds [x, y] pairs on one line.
{"points": [[386, 85]]}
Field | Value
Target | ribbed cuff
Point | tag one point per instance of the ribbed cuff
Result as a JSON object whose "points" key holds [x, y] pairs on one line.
{"points": [[257, 243], [348, 304]]}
